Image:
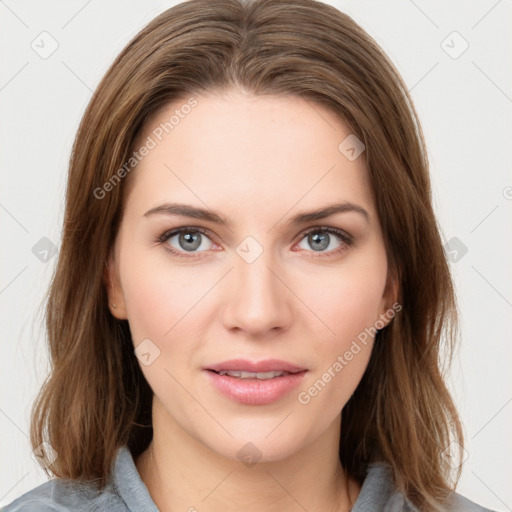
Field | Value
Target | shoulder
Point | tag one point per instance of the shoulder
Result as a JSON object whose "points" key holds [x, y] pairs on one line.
{"points": [[124, 491], [459, 503], [379, 494], [61, 495]]}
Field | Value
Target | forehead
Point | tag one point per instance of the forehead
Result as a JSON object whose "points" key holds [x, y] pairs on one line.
{"points": [[237, 150]]}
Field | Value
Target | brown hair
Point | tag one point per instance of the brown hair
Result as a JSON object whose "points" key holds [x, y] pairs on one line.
{"points": [[96, 397]]}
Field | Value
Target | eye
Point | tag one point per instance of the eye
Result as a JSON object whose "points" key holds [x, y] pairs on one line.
{"points": [[322, 241], [188, 241], [185, 240]]}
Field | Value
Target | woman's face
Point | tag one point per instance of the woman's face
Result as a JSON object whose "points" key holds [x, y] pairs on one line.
{"points": [[248, 279]]}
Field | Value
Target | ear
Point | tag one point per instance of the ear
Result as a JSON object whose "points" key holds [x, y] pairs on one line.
{"points": [[116, 303], [389, 302]]}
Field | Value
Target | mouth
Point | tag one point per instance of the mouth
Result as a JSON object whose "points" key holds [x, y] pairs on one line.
{"points": [[253, 375], [255, 383], [241, 367]]}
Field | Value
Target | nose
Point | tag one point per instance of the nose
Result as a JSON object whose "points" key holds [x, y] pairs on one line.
{"points": [[258, 297]]}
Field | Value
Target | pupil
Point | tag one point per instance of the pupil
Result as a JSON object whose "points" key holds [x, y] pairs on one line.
{"points": [[193, 241], [319, 241]]}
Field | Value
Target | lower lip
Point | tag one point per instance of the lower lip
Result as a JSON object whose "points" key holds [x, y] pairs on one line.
{"points": [[255, 391]]}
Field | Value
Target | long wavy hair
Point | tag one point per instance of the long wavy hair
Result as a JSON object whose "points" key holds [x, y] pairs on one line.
{"points": [[95, 398]]}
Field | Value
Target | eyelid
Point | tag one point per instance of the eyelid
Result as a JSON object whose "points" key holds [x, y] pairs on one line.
{"points": [[345, 237], [176, 231], [205, 231]]}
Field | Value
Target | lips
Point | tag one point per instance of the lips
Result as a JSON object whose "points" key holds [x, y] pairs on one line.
{"points": [[253, 375], [244, 365], [255, 382]]}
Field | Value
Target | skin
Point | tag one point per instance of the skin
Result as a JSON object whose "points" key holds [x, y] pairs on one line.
{"points": [[257, 161]]}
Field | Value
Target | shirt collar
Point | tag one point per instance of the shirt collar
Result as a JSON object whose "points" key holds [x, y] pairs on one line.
{"points": [[129, 485]]}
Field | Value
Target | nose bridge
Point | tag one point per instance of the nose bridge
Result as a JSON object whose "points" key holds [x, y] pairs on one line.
{"points": [[258, 300]]}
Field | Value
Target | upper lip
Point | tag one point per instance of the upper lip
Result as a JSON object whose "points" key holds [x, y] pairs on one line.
{"points": [[267, 365]]}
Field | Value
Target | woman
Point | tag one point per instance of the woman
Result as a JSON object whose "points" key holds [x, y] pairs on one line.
{"points": [[251, 291]]}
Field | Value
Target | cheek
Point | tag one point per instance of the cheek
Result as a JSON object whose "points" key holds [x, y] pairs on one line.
{"points": [[348, 305], [345, 302], [163, 306], [158, 297], [341, 356]]}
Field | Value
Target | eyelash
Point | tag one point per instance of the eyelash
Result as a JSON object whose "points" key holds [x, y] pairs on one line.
{"points": [[345, 238]]}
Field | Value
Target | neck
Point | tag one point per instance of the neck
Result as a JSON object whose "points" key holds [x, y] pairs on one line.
{"points": [[182, 473]]}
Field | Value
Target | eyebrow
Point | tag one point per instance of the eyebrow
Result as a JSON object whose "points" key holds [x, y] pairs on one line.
{"points": [[193, 212]]}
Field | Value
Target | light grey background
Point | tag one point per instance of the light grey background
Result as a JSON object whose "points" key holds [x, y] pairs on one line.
{"points": [[464, 103]]}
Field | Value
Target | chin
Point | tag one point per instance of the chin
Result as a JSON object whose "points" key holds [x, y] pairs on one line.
{"points": [[266, 440], [257, 450]]}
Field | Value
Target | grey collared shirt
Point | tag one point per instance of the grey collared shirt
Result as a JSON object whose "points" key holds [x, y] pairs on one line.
{"points": [[126, 492]]}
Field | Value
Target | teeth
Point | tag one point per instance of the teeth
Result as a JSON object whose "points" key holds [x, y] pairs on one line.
{"points": [[253, 375]]}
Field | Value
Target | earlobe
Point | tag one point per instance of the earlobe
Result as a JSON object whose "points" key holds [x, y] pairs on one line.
{"points": [[114, 291]]}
